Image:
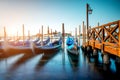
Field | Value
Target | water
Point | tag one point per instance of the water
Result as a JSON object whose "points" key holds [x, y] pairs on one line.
{"points": [[55, 66]]}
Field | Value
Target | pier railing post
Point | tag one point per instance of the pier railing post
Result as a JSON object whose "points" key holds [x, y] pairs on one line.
{"points": [[93, 40], [119, 37], [103, 34]]}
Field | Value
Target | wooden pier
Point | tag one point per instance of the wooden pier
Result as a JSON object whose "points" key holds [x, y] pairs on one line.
{"points": [[106, 38]]}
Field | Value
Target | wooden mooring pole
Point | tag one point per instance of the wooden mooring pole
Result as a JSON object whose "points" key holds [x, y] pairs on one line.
{"points": [[29, 34], [48, 31], [51, 35], [63, 34], [4, 34], [42, 35], [79, 33], [39, 33], [23, 34]]}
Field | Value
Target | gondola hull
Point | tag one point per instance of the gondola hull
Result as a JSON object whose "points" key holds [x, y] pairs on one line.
{"points": [[47, 49]]}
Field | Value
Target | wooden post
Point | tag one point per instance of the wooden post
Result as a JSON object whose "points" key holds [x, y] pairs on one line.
{"points": [[103, 35], [23, 34], [119, 37], [79, 34], [76, 33], [42, 36], [28, 34], [83, 34], [98, 24], [39, 33], [51, 35], [48, 31], [63, 34], [93, 40], [4, 34], [87, 6], [17, 35]]}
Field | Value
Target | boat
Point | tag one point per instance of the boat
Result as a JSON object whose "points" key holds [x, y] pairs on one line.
{"points": [[21, 43], [23, 49], [72, 47], [51, 47]]}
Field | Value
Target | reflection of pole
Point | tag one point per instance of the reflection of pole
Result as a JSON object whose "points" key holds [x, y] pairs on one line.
{"points": [[6, 63], [63, 34], [23, 34]]}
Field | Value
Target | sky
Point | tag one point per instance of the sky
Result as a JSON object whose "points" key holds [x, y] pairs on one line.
{"points": [[35, 13]]}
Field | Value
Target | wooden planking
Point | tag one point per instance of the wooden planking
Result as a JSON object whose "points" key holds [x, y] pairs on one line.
{"points": [[104, 37]]}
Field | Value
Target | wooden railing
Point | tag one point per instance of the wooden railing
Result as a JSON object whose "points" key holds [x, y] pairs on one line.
{"points": [[107, 35]]}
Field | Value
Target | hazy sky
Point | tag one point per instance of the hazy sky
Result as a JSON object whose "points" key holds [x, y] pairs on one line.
{"points": [[35, 13]]}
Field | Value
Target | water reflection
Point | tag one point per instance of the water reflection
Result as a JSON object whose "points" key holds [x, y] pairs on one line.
{"points": [[58, 65], [74, 60], [21, 61], [44, 60]]}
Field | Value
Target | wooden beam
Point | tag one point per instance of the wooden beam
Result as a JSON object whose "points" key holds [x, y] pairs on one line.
{"points": [[110, 33], [111, 36], [119, 38]]}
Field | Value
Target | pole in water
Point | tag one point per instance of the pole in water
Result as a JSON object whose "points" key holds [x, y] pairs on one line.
{"points": [[23, 33], [63, 34], [79, 34], [42, 35], [4, 34], [51, 35], [48, 31]]}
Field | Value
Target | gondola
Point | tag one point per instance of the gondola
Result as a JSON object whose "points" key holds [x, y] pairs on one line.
{"points": [[51, 47], [22, 48], [25, 43], [72, 47]]}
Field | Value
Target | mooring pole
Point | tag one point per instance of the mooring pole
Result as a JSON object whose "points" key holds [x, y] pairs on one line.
{"points": [[4, 34], [63, 34], [83, 34], [17, 35], [23, 33], [39, 33], [87, 5], [29, 34], [42, 35], [48, 31], [79, 34], [51, 35], [76, 33]]}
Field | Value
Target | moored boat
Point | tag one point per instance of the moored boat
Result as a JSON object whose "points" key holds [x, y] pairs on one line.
{"points": [[51, 47], [72, 46]]}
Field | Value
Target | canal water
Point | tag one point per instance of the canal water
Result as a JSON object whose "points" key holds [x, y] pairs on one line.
{"points": [[55, 66]]}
